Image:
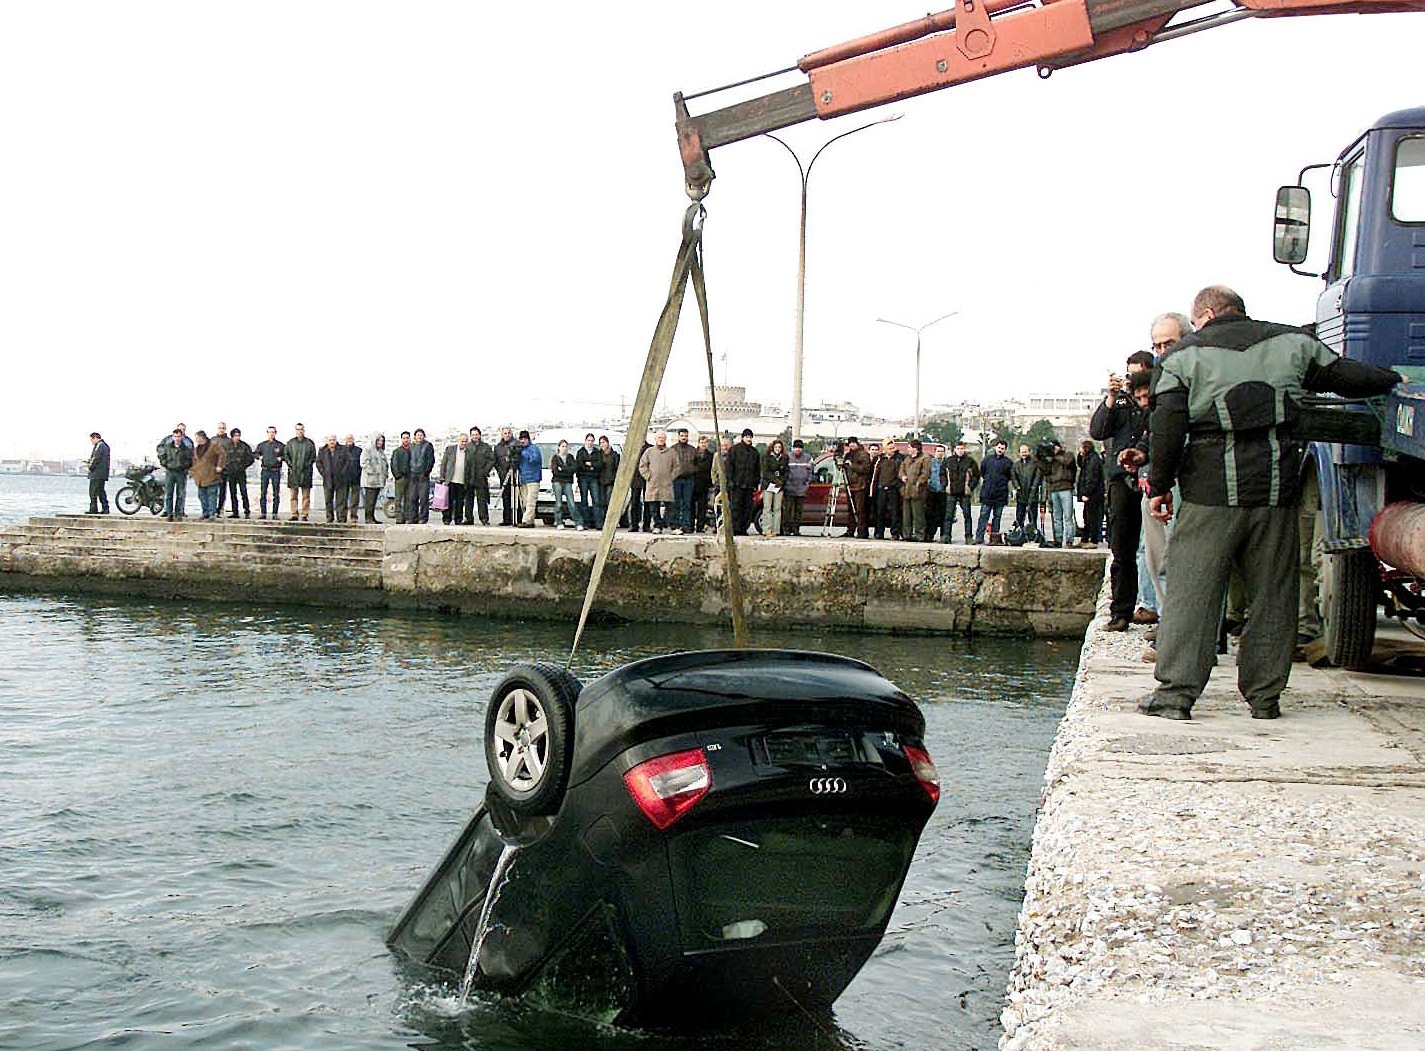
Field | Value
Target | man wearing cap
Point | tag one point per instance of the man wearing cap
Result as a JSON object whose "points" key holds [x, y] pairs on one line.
{"points": [[856, 464], [98, 474], [529, 464], [798, 481], [744, 473]]}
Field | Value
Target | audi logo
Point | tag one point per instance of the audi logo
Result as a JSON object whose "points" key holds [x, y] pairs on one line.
{"points": [[827, 786]]}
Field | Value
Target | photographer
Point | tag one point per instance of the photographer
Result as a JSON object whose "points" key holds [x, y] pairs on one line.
{"points": [[1059, 468], [1120, 423]]}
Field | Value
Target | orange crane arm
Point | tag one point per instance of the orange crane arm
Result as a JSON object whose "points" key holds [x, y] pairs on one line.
{"points": [[977, 38]]}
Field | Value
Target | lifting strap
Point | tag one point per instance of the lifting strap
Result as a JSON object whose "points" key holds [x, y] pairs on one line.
{"points": [[689, 264]]}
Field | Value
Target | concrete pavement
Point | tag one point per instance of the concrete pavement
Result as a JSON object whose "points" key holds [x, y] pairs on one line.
{"points": [[1228, 883]]}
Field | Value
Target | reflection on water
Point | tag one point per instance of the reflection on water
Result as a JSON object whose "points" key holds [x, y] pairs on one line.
{"points": [[211, 816]]}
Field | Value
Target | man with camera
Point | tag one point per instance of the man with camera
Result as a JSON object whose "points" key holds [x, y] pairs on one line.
{"points": [[1059, 469], [855, 463], [1121, 422]]}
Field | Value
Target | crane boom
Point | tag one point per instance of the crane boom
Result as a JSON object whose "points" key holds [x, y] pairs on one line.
{"points": [[976, 38]]}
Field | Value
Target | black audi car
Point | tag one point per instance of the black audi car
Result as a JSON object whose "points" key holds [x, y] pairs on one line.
{"points": [[691, 837]]}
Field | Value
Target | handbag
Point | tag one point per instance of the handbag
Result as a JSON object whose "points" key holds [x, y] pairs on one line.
{"points": [[440, 497]]}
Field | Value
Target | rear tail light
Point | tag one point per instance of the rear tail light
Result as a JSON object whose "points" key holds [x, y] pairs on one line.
{"points": [[924, 769], [666, 788]]}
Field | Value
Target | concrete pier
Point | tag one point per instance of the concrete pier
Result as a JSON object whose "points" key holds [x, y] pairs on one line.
{"points": [[541, 573], [1228, 883]]}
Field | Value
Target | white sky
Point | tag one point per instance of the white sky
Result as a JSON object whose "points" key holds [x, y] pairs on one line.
{"points": [[367, 215]]}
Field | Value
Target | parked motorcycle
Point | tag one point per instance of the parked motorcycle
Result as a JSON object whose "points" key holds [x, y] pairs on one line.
{"points": [[143, 490]]}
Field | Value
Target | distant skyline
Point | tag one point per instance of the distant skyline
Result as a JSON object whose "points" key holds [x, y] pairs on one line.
{"points": [[343, 212]]}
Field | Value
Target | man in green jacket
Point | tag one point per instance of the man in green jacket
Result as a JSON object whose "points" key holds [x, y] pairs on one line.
{"points": [[1233, 388], [300, 454]]}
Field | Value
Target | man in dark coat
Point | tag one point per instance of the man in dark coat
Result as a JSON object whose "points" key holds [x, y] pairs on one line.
{"points": [[961, 475], [418, 488], [330, 461], [1090, 489], [482, 462], [269, 452], [994, 490], [856, 464], [239, 459], [98, 474], [507, 462], [743, 474], [401, 478], [300, 454]]}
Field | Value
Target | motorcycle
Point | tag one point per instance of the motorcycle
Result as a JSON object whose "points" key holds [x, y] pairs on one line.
{"points": [[143, 490]]}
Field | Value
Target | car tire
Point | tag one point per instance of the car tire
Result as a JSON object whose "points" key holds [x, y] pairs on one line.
{"points": [[528, 737]]}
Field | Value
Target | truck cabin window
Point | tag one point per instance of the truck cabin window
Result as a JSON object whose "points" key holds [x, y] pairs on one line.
{"points": [[1348, 215], [1407, 196]]}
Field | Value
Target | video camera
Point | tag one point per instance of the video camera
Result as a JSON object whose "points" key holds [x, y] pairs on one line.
{"points": [[1045, 449]]}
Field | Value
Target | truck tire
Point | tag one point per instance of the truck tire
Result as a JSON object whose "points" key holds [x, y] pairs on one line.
{"points": [[529, 728], [1350, 581]]}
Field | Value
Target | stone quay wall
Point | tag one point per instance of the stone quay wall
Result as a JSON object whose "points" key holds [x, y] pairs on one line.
{"points": [[542, 573]]}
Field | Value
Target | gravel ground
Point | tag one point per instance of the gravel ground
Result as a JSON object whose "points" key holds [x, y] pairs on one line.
{"points": [[1226, 882]]}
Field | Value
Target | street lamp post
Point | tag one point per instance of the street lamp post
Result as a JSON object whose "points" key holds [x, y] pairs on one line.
{"points": [[917, 331], [804, 170]]}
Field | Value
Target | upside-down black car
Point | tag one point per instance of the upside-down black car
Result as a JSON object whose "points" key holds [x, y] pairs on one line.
{"points": [[691, 837]]}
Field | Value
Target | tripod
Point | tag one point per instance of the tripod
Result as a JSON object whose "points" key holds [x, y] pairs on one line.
{"points": [[833, 497]]}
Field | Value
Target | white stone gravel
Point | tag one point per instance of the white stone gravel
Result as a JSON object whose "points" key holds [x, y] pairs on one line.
{"points": [[1272, 869]]}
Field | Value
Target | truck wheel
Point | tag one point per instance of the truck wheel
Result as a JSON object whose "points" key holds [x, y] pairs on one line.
{"points": [[1350, 581], [528, 729]]}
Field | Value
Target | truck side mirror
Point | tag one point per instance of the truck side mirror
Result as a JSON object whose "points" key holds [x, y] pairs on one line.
{"points": [[1291, 231]]}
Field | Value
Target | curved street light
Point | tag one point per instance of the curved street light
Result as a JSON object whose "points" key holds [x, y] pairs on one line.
{"points": [[805, 171], [917, 331]]}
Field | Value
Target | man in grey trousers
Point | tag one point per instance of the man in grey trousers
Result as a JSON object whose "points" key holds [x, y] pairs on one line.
{"points": [[1232, 387]]}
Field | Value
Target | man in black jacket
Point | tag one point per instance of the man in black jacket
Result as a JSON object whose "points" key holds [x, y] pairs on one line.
{"points": [[1233, 388], [269, 452], [401, 478], [744, 472], [239, 459], [961, 474], [98, 474], [507, 462], [418, 488], [483, 462], [1090, 490], [1120, 422]]}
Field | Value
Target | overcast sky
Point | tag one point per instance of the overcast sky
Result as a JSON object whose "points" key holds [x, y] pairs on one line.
{"points": [[368, 215]]}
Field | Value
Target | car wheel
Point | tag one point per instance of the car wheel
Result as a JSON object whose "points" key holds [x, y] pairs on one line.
{"points": [[528, 727]]}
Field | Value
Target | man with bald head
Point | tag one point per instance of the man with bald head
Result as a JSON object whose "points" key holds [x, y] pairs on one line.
{"points": [[1234, 385]]}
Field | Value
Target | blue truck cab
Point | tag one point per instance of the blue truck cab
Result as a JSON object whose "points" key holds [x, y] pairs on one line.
{"points": [[1372, 309]]}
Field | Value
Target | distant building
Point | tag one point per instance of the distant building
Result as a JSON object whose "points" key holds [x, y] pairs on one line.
{"points": [[731, 401]]}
